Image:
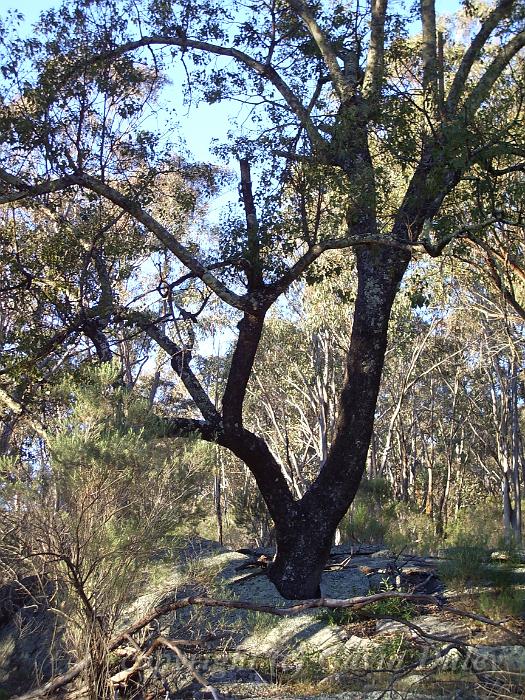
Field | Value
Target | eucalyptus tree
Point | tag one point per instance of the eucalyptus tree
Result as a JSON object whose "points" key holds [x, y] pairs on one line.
{"points": [[365, 130]]}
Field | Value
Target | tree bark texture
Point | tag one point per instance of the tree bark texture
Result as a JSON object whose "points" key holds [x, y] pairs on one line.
{"points": [[304, 531]]}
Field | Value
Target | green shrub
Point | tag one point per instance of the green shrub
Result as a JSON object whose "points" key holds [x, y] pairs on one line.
{"points": [[371, 515], [465, 561], [412, 530], [480, 524], [338, 616], [259, 622], [392, 607], [395, 651], [506, 599], [504, 603]]}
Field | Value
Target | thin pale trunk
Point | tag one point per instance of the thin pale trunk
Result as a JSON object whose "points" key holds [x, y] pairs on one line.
{"points": [[373, 471], [429, 497], [507, 506], [217, 496], [516, 451]]}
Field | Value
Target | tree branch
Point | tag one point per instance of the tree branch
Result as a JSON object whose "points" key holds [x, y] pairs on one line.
{"points": [[493, 72], [25, 190], [206, 687], [502, 10], [434, 250], [376, 53], [314, 251], [254, 275], [429, 54], [342, 85], [262, 69], [250, 330], [180, 363], [162, 233]]}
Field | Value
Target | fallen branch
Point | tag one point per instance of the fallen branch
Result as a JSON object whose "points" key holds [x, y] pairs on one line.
{"points": [[355, 603], [486, 621], [55, 683], [184, 660], [122, 677], [423, 634]]}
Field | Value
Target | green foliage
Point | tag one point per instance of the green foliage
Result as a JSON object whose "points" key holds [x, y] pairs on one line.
{"points": [[413, 530], [478, 523], [505, 602], [338, 616], [392, 607], [103, 462], [465, 561], [96, 512], [508, 595], [394, 651], [260, 622], [372, 514], [312, 666], [250, 515]]}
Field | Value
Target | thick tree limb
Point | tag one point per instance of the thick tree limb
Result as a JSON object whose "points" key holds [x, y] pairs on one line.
{"points": [[256, 454], [250, 330], [424, 196], [343, 87], [162, 233], [429, 53], [254, 274], [26, 191], [502, 10], [376, 53]]}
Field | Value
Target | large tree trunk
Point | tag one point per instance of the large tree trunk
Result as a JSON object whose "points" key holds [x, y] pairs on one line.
{"points": [[303, 546], [304, 533]]}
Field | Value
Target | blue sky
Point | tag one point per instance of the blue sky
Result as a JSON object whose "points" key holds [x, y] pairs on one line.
{"points": [[32, 8], [200, 125]]}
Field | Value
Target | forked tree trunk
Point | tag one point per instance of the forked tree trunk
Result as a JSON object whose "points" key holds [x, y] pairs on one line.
{"points": [[304, 532]]}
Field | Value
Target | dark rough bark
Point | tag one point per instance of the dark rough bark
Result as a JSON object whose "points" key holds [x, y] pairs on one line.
{"points": [[250, 330], [303, 546], [304, 535]]}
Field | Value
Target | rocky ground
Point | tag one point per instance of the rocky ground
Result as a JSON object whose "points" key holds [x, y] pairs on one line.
{"points": [[426, 652]]}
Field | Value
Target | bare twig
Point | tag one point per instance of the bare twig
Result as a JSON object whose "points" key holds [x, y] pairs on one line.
{"points": [[186, 662]]}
